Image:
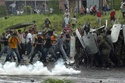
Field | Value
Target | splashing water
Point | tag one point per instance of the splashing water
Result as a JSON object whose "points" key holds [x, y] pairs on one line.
{"points": [[10, 68]]}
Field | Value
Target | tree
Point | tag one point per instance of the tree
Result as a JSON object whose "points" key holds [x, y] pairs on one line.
{"points": [[55, 5], [71, 6], [27, 10], [116, 4]]}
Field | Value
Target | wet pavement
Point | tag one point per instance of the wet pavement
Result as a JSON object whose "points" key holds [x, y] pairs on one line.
{"points": [[87, 75]]}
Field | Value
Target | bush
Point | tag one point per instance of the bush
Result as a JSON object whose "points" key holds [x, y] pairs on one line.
{"points": [[2, 10], [27, 10], [55, 6], [117, 4], [49, 80]]}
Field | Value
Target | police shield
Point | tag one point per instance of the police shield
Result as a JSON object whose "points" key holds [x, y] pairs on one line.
{"points": [[115, 32], [72, 49], [80, 38], [90, 44], [72, 46], [123, 28]]}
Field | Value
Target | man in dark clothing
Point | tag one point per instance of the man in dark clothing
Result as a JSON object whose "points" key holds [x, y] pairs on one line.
{"points": [[105, 9], [48, 45], [105, 50], [39, 47], [5, 42], [94, 10], [112, 15], [60, 44], [47, 23], [67, 43]]}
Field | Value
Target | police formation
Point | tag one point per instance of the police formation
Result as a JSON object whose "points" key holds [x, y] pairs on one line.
{"points": [[84, 46], [101, 47]]}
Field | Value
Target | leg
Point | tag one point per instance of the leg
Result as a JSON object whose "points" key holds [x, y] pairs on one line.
{"points": [[17, 54], [43, 57], [5, 48], [21, 50], [67, 49], [51, 50], [28, 48], [9, 55], [34, 53], [63, 52]]}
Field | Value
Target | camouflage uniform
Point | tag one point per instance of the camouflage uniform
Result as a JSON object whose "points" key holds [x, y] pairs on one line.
{"points": [[118, 49], [104, 51]]}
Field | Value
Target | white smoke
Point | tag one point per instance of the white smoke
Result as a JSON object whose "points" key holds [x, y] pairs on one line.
{"points": [[10, 68]]}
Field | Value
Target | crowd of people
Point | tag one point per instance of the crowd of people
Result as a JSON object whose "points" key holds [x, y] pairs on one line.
{"points": [[32, 42], [92, 10]]}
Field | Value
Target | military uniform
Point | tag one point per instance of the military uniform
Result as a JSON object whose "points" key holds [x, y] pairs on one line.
{"points": [[104, 49]]}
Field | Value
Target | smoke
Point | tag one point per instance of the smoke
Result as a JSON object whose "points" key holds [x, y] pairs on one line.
{"points": [[10, 68]]}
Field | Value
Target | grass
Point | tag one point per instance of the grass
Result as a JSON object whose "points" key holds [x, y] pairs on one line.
{"points": [[50, 80], [56, 21]]}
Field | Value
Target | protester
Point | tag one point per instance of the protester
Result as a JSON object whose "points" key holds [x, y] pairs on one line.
{"points": [[5, 48], [123, 9], [28, 39], [105, 9], [61, 45], [87, 11], [73, 21], [49, 44], [68, 28], [38, 46], [13, 5], [67, 43], [66, 20], [66, 13], [51, 10], [94, 10], [99, 15], [13, 46], [82, 10], [91, 7], [47, 23], [112, 15]]}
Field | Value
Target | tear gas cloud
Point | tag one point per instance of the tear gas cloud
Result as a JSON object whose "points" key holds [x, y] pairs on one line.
{"points": [[10, 68]]}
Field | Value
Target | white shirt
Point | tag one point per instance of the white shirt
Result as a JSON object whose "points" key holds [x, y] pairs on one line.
{"points": [[29, 36], [66, 20], [122, 5], [67, 13], [87, 9], [91, 8], [51, 10], [13, 5], [73, 20], [8, 35]]}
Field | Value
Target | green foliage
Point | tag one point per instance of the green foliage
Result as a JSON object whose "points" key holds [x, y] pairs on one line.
{"points": [[49, 80], [27, 10], [114, 4], [55, 5], [2, 10], [117, 4], [56, 21]]}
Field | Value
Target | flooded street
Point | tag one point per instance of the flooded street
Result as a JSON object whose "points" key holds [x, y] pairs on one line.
{"points": [[10, 74]]}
